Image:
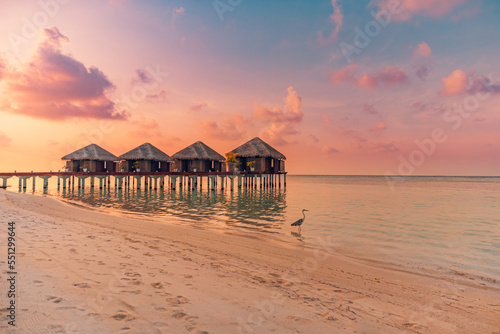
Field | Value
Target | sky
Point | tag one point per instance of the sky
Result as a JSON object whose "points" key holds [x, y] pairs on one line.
{"points": [[376, 87]]}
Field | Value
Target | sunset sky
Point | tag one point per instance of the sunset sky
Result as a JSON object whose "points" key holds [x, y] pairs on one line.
{"points": [[339, 87]]}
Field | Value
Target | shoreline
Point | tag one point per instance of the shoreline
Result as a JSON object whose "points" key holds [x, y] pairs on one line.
{"points": [[122, 274]]}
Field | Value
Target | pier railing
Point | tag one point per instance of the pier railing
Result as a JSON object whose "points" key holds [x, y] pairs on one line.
{"points": [[153, 180]]}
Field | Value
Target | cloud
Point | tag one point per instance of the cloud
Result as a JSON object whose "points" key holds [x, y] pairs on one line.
{"points": [[336, 18], [282, 119], [460, 82], [3, 68], [422, 71], [466, 13], [388, 76], [148, 129], [145, 126], [292, 112], [314, 138], [176, 13], [345, 74], [160, 97], [455, 83], [329, 150], [4, 139], [142, 77], [422, 50], [233, 127], [408, 9], [379, 127], [383, 147], [198, 106], [369, 109], [276, 133], [481, 84], [326, 120], [56, 86]]}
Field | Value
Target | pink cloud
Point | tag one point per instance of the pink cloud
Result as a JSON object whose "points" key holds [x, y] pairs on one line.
{"points": [[480, 83], [367, 81], [3, 68], [329, 150], [281, 120], [383, 147], [326, 120], [4, 139], [337, 19], [345, 74], [369, 109], [198, 106], [379, 127], [422, 50], [314, 139], [410, 8], [388, 76], [422, 71], [233, 127], [455, 83], [176, 13], [276, 133], [292, 111], [145, 127], [142, 76], [160, 97], [56, 86]]}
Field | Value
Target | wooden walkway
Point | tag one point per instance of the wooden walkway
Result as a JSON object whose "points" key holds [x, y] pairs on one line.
{"points": [[152, 180]]}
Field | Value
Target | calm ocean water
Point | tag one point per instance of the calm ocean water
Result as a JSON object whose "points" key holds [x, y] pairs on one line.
{"points": [[447, 224]]}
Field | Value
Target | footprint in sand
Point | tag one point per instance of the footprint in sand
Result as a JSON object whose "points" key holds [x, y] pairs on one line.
{"points": [[53, 299], [157, 285], [135, 292], [82, 285], [179, 314], [122, 316], [132, 274], [298, 319], [177, 300], [38, 283], [132, 281]]}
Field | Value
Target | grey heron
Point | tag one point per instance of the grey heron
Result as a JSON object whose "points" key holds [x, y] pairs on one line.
{"points": [[301, 220]]}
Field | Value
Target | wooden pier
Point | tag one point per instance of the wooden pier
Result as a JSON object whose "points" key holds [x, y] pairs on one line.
{"points": [[156, 180]]}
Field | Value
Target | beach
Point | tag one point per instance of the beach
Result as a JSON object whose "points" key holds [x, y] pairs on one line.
{"points": [[83, 271]]}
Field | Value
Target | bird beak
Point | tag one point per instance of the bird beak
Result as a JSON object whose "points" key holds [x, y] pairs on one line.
{"points": [[306, 210]]}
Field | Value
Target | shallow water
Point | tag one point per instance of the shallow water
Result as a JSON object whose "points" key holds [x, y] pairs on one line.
{"points": [[449, 224]]}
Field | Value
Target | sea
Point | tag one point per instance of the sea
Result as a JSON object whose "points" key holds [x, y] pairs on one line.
{"points": [[446, 225]]}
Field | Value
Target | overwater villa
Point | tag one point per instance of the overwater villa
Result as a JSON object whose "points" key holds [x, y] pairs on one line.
{"points": [[91, 158], [144, 158], [197, 157], [265, 158]]}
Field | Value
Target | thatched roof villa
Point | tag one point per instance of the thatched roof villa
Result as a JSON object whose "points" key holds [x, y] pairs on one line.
{"points": [[197, 156], [267, 159], [92, 157], [149, 158]]}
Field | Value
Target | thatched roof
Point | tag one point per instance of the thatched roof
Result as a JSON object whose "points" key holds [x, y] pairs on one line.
{"points": [[91, 152], [145, 152], [199, 151], [258, 148]]}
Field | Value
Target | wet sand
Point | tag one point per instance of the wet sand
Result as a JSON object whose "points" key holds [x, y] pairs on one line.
{"points": [[81, 271]]}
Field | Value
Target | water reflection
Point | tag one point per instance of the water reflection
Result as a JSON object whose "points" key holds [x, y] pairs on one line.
{"points": [[263, 210], [298, 236]]}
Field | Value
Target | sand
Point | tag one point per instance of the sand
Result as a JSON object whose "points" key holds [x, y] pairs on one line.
{"points": [[81, 271]]}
